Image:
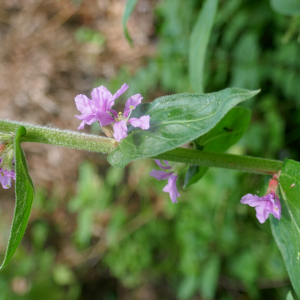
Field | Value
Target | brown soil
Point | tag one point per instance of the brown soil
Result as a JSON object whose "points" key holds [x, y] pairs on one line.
{"points": [[43, 67]]}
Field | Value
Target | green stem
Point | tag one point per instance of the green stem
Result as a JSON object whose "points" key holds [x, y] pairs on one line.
{"points": [[95, 143], [65, 138], [222, 160]]}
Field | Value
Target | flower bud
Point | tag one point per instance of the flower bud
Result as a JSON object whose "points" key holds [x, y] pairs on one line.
{"points": [[273, 185], [6, 137]]}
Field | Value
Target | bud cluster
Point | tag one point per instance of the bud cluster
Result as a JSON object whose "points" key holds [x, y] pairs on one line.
{"points": [[6, 159]]}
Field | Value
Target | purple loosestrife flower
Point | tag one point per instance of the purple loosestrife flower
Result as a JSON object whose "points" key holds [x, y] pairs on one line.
{"points": [[171, 176], [265, 205], [6, 174], [100, 109], [102, 101]]}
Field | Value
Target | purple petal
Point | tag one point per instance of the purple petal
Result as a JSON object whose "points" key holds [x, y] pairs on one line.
{"points": [[264, 205], [10, 173], [81, 126], [251, 200], [172, 189], [104, 118], [83, 104], [86, 119], [161, 165], [273, 205], [120, 130], [132, 103], [4, 180], [122, 90], [262, 214], [102, 98], [160, 175], [142, 122], [114, 113]]}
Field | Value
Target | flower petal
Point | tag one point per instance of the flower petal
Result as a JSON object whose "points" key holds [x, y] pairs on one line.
{"points": [[160, 175], [172, 189], [251, 200], [104, 118], [4, 180], [264, 205], [132, 103], [143, 122], [120, 130], [83, 104], [262, 214], [102, 98], [120, 91], [161, 165]]}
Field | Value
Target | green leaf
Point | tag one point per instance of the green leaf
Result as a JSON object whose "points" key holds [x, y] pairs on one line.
{"points": [[198, 44], [210, 276], [289, 296], [174, 121], [24, 198], [286, 7], [129, 8], [286, 231], [225, 134]]}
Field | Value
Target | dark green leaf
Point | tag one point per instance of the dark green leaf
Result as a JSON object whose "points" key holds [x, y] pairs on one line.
{"points": [[289, 296], [129, 7], [286, 7], [225, 134], [174, 121], [198, 44], [24, 198], [286, 231]]}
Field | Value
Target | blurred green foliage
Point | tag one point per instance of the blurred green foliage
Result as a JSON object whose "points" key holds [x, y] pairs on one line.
{"points": [[208, 245], [87, 35]]}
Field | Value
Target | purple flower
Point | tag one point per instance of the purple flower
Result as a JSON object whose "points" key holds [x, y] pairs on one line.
{"points": [[100, 109], [172, 177], [5, 176], [102, 101], [264, 206]]}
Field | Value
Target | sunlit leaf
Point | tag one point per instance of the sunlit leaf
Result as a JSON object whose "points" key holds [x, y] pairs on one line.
{"points": [[286, 231], [24, 198], [289, 296], [225, 134], [198, 44], [174, 121]]}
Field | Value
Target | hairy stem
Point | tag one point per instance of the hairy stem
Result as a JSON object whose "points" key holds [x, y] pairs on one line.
{"points": [[65, 138], [95, 143], [222, 160]]}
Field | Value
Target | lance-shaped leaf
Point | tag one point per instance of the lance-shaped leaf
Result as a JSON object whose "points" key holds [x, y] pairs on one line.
{"points": [[286, 7], [286, 231], [198, 44], [289, 296], [174, 121], [24, 198], [225, 134], [129, 8]]}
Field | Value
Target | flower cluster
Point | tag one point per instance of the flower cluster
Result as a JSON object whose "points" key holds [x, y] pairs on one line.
{"points": [[171, 176], [100, 109], [268, 204], [6, 165]]}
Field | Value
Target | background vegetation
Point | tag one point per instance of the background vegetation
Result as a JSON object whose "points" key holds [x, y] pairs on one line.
{"points": [[118, 236]]}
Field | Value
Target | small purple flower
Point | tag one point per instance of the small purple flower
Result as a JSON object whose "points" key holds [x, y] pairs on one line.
{"points": [[172, 177], [102, 101], [6, 176], [100, 109], [264, 206]]}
